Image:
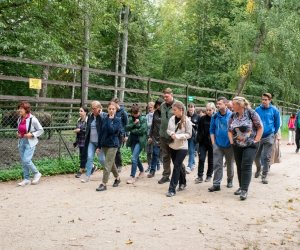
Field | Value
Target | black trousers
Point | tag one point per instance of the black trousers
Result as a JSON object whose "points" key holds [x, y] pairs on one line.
{"points": [[178, 174], [244, 157], [297, 140], [82, 157], [118, 159], [202, 150]]}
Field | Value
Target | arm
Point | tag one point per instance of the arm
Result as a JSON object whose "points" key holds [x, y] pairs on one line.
{"points": [[212, 130], [276, 121], [188, 131], [230, 137], [37, 127]]}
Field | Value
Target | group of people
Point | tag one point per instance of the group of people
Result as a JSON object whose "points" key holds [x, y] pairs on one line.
{"points": [[230, 131]]}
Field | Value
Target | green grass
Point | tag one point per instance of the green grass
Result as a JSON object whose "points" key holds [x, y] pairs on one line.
{"points": [[56, 166]]}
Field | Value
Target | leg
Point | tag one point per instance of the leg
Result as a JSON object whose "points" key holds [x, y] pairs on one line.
{"points": [[110, 154], [165, 153], [218, 165], [297, 139], [101, 158], [90, 157], [229, 163], [83, 157], [191, 151], [258, 160], [135, 150], [290, 136], [149, 149], [210, 161], [27, 158], [155, 158], [202, 156], [267, 153], [238, 156]]}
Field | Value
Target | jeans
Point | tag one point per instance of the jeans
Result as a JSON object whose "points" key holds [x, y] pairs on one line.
{"points": [[149, 149], [82, 157], [219, 154], [135, 159], [90, 158], [297, 137], [178, 170], [110, 165], [244, 158], [26, 154], [191, 145], [203, 149], [264, 153], [155, 158], [166, 157]]}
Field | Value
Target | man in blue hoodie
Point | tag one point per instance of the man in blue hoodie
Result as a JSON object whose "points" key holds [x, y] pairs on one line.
{"points": [[270, 117], [221, 145], [297, 127]]}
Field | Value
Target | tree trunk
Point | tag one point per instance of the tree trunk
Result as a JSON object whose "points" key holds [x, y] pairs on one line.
{"points": [[124, 51], [43, 91], [72, 96], [118, 55]]}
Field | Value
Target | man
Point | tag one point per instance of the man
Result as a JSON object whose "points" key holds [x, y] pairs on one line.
{"points": [[297, 127], [121, 113], [270, 117], [166, 113], [221, 145]]}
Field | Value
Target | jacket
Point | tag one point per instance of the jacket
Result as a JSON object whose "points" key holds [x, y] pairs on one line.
{"points": [[80, 136], [36, 129], [203, 135], [271, 119], [155, 127], [219, 128], [122, 114], [195, 120], [297, 120], [139, 129], [99, 120], [182, 135], [110, 131]]}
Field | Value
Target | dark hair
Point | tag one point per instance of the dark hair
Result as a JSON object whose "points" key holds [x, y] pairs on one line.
{"points": [[25, 105], [267, 95], [115, 100], [135, 109], [158, 102], [85, 109], [112, 103], [222, 98], [191, 105]]}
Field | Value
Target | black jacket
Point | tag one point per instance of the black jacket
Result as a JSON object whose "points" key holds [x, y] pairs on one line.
{"points": [[195, 120], [155, 127], [99, 121], [110, 131], [203, 135]]}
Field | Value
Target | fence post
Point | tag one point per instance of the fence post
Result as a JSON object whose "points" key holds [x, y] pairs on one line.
{"points": [[148, 90], [216, 95], [84, 85], [187, 95], [59, 144]]}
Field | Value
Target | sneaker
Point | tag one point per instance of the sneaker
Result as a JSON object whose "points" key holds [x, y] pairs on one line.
{"points": [[257, 174], [117, 182], [229, 184], [163, 180], [181, 187], [264, 179], [94, 169], [147, 170], [214, 188], [141, 175], [85, 179], [170, 194], [188, 170], [119, 169], [151, 174], [131, 180], [78, 174], [36, 178], [297, 150], [24, 183], [101, 188], [208, 179], [243, 195], [237, 192], [198, 180]]}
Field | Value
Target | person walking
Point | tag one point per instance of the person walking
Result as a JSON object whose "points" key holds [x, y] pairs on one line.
{"points": [[80, 139], [121, 113], [166, 113], [154, 139], [93, 132], [270, 117], [180, 130], [291, 126], [245, 129], [137, 128], [297, 127], [221, 145], [205, 146], [194, 118], [29, 129], [109, 143]]}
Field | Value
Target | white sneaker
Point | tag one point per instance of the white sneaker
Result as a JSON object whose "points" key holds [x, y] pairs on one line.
{"points": [[24, 183], [36, 178], [188, 170], [131, 180], [85, 179]]}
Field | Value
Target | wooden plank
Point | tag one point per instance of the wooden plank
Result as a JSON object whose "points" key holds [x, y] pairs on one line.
{"points": [[39, 99]]}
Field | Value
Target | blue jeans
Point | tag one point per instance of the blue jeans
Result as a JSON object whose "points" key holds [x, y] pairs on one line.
{"points": [[191, 145], [26, 154], [135, 159], [155, 158], [90, 158]]}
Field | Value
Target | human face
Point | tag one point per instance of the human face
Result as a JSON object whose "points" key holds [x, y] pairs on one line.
{"points": [[209, 111], [177, 112], [191, 110], [82, 113], [95, 110], [168, 98], [265, 101], [150, 108], [111, 110], [221, 106], [236, 107], [136, 115], [22, 112]]}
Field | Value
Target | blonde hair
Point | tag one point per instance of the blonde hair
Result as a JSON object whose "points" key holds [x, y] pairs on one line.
{"points": [[211, 105], [180, 106], [97, 104], [242, 101]]}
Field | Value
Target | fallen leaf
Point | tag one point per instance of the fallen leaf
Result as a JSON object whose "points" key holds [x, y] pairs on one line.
{"points": [[129, 242], [200, 231], [168, 215]]}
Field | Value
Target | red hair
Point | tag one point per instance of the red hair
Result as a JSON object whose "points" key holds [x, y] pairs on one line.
{"points": [[25, 105]]}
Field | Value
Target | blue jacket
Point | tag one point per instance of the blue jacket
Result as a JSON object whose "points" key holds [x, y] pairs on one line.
{"points": [[270, 118], [297, 120], [219, 128], [122, 114], [110, 131]]}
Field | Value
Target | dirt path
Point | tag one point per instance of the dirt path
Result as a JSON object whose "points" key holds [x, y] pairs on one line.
{"points": [[62, 213]]}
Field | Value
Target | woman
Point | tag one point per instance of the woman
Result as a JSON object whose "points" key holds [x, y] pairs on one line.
{"points": [[109, 144], [154, 138], [29, 129], [245, 129], [205, 146], [80, 138], [180, 130], [291, 126], [137, 127]]}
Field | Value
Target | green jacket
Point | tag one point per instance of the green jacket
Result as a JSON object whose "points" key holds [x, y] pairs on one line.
{"points": [[139, 129], [166, 114]]}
